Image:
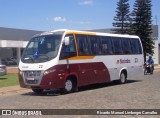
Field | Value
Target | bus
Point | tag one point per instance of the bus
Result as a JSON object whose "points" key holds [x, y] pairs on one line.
{"points": [[68, 59]]}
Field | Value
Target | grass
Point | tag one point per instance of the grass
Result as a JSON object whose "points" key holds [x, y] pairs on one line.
{"points": [[9, 80]]}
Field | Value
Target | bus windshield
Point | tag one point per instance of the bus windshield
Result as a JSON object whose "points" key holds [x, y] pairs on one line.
{"points": [[42, 48]]}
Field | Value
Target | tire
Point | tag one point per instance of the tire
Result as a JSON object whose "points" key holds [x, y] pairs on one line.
{"points": [[69, 86], [151, 71], [145, 71], [37, 91], [123, 78]]}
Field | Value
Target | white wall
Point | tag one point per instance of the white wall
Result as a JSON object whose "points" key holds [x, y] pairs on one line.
{"points": [[156, 52]]}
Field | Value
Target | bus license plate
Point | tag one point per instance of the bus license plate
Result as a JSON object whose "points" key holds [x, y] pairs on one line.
{"points": [[30, 78]]}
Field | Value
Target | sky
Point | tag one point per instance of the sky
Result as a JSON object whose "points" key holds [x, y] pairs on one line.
{"points": [[46, 15]]}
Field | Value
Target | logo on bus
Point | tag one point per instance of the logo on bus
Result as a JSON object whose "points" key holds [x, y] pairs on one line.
{"points": [[136, 60], [123, 61]]}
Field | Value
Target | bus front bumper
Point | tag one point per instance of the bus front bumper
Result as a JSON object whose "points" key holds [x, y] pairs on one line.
{"points": [[40, 80]]}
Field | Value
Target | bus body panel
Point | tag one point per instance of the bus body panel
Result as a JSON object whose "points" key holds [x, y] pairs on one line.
{"points": [[88, 72], [86, 69]]}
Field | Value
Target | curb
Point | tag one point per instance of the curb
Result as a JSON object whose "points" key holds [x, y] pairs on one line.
{"points": [[12, 89]]}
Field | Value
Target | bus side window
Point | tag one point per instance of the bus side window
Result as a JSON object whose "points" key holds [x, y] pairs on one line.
{"points": [[95, 45], [126, 46], [136, 47], [69, 50], [117, 46], [83, 45], [106, 46]]}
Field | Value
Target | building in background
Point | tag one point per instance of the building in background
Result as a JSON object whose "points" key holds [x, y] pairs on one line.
{"points": [[155, 36], [159, 51], [13, 41]]}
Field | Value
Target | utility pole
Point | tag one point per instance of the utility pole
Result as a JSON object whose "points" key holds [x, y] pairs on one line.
{"points": [[156, 19]]}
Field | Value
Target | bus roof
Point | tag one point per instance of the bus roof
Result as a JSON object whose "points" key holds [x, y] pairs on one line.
{"points": [[67, 31]]}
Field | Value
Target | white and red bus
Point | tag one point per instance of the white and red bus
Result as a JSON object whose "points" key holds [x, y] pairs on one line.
{"points": [[69, 59]]}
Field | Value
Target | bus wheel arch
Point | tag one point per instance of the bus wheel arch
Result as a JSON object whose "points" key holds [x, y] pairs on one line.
{"points": [[123, 76], [70, 84]]}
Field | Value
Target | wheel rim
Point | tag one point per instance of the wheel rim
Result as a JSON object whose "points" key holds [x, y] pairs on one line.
{"points": [[123, 78], [68, 85], [146, 71]]}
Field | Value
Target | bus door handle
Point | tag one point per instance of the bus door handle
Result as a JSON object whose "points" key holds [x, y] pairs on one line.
{"points": [[115, 68]]}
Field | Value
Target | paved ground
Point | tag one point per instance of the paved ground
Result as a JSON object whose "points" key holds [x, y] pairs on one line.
{"points": [[141, 92]]}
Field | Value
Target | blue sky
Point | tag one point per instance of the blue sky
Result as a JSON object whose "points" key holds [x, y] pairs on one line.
{"points": [[45, 15]]}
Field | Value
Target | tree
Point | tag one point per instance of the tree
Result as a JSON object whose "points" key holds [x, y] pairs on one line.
{"points": [[142, 24], [122, 19]]}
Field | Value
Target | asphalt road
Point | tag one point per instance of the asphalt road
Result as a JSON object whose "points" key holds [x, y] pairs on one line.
{"points": [[141, 92]]}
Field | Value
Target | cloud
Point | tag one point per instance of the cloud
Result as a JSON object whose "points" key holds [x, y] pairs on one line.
{"points": [[59, 19], [86, 2], [63, 19]]}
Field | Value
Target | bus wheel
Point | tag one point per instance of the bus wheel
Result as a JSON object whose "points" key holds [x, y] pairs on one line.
{"points": [[69, 86], [123, 78], [37, 91]]}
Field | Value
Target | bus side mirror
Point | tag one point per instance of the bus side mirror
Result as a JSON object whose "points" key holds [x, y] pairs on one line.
{"points": [[66, 41]]}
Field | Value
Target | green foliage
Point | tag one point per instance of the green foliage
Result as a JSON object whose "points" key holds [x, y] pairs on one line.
{"points": [[122, 19], [137, 23], [9, 80], [142, 24]]}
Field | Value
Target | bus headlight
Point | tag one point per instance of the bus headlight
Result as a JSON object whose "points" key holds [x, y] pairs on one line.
{"points": [[49, 71], [20, 72]]}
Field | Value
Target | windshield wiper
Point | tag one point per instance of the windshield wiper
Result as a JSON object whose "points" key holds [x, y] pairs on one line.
{"points": [[28, 58], [47, 57]]}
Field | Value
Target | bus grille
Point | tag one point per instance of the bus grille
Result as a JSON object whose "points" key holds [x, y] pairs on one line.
{"points": [[32, 73], [31, 81], [32, 77]]}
